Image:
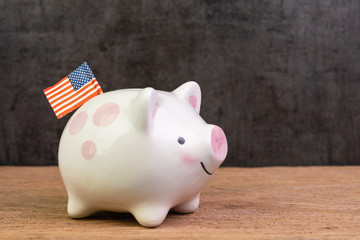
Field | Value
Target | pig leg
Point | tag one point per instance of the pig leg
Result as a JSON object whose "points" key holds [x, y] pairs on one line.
{"points": [[77, 208], [150, 215], [189, 206]]}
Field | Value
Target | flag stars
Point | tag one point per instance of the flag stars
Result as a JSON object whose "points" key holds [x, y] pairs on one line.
{"points": [[81, 76]]}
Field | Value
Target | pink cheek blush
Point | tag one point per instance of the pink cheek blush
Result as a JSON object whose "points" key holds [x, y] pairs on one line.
{"points": [[88, 150], [106, 114], [188, 160], [193, 101], [78, 123]]}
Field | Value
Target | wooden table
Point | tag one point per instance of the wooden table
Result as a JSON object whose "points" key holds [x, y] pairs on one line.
{"points": [[238, 203]]}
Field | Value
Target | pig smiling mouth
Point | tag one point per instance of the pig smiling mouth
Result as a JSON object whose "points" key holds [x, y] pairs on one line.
{"points": [[203, 166]]}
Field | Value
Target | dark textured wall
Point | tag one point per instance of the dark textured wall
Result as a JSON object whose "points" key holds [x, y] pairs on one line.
{"points": [[281, 77]]}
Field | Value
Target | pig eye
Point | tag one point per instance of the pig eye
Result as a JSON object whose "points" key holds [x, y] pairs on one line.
{"points": [[181, 140]]}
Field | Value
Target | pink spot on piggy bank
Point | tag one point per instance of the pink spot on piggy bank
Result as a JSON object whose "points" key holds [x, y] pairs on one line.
{"points": [[88, 150], [78, 123], [106, 114], [153, 156]]}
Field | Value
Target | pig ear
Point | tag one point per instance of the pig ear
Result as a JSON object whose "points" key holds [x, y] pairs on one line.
{"points": [[191, 93], [144, 107]]}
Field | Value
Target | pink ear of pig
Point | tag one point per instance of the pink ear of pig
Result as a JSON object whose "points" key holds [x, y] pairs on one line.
{"points": [[190, 92], [144, 107]]}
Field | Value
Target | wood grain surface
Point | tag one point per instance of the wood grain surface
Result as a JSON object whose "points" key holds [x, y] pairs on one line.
{"points": [[237, 203]]}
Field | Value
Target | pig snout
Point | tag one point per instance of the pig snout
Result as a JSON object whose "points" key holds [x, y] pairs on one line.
{"points": [[219, 144], [218, 149]]}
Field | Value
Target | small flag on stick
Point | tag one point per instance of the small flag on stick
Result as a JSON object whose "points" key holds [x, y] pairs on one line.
{"points": [[73, 91]]}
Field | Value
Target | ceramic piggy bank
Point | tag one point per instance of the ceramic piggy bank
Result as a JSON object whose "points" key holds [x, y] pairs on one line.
{"points": [[141, 151]]}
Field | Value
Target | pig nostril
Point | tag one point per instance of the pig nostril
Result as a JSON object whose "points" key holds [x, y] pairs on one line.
{"points": [[219, 143]]}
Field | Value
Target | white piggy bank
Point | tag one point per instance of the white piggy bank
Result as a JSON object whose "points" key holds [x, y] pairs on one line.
{"points": [[140, 151]]}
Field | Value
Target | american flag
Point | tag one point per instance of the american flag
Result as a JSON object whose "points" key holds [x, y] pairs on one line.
{"points": [[73, 91]]}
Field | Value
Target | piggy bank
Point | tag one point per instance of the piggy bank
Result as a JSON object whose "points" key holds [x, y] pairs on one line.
{"points": [[142, 151]]}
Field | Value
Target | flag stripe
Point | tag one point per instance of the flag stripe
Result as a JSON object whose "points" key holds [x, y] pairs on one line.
{"points": [[96, 84], [59, 115], [69, 96], [51, 99], [60, 89], [49, 90], [84, 90], [78, 102], [65, 91]]}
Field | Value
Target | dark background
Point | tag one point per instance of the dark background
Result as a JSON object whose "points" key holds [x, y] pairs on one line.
{"points": [[282, 78]]}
